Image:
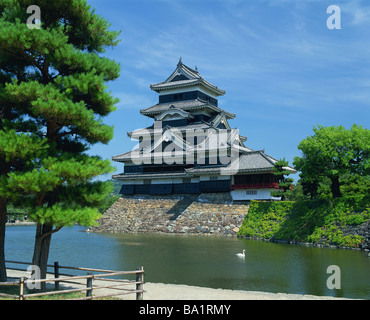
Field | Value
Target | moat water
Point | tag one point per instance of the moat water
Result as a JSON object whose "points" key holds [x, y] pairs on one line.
{"points": [[204, 261]]}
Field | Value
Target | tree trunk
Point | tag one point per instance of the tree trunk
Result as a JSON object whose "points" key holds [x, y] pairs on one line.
{"points": [[3, 277], [335, 187], [41, 250]]}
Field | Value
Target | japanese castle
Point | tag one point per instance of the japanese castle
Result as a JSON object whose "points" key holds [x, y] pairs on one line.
{"points": [[190, 148]]}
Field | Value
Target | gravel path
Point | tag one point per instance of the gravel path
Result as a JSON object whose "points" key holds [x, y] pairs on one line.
{"points": [[161, 291]]}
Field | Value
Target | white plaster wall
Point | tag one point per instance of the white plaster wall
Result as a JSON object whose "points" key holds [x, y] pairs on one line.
{"points": [[161, 181], [262, 194], [177, 180], [188, 89], [126, 182], [223, 177], [204, 178]]}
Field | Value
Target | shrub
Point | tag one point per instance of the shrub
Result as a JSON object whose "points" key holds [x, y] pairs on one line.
{"points": [[307, 221]]}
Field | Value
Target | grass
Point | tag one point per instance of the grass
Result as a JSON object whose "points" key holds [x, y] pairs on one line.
{"points": [[317, 221], [14, 290]]}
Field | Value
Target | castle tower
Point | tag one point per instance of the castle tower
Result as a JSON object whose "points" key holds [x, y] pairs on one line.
{"points": [[191, 148]]}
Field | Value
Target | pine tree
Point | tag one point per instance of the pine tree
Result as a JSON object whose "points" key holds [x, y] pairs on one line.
{"points": [[281, 174], [54, 77], [17, 153]]}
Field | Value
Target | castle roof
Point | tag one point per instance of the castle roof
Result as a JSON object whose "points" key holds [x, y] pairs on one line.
{"points": [[133, 176], [211, 142], [187, 105], [182, 77], [251, 161], [247, 162], [212, 123]]}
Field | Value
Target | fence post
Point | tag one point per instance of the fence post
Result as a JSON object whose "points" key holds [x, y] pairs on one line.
{"points": [[140, 285], [56, 274], [89, 281], [21, 289]]}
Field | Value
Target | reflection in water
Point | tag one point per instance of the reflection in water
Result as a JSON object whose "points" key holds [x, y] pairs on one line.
{"points": [[204, 261]]}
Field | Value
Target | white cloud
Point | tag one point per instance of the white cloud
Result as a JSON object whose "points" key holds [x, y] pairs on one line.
{"points": [[133, 100], [358, 10]]}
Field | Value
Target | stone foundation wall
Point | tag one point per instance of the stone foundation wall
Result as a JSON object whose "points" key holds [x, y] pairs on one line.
{"points": [[207, 214]]}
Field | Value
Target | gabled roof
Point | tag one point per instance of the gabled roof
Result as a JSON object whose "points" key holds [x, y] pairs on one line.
{"points": [[248, 161], [175, 137], [183, 76], [220, 119], [252, 161], [188, 105], [172, 110], [152, 130], [133, 176], [212, 123], [212, 143]]}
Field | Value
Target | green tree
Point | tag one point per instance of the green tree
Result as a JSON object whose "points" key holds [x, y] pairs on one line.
{"points": [[309, 177], [17, 152], [56, 79], [332, 152], [354, 184], [281, 174]]}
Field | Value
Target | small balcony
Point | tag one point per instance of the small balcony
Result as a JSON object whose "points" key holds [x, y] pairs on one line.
{"points": [[270, 185]]}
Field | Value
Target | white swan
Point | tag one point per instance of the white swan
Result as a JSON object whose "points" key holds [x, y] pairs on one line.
{"points": [[241, 255]]}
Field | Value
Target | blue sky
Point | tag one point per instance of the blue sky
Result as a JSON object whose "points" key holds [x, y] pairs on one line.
{"points": [[283, 70]]}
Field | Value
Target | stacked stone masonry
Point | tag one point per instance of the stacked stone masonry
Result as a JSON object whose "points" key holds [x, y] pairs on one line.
{"points": [[206, 214]]}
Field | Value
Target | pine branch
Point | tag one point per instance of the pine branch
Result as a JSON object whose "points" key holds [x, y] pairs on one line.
{"points": [[44, 235]]}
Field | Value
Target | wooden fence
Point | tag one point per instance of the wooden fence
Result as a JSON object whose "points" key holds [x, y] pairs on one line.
{"points": [[120, 286]]}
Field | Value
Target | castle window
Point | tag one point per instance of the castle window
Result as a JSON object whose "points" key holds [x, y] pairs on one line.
{"points": [[250, 192]]}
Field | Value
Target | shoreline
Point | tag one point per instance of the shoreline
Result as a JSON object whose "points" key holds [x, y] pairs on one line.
{"points": [[291, 242], [306, 244], [163, 291]]}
